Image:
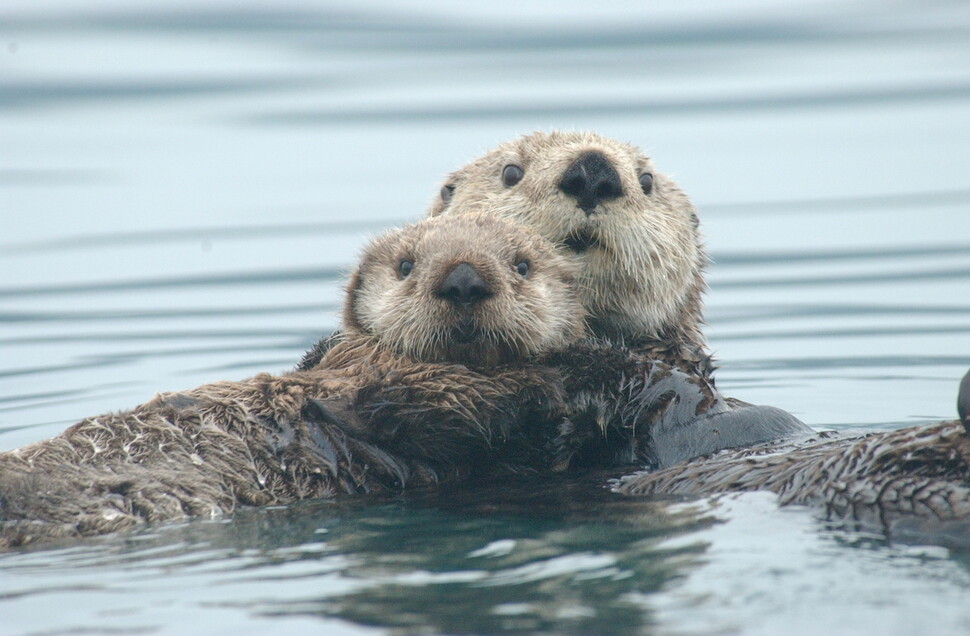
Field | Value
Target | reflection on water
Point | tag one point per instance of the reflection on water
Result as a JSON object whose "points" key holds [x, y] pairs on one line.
{"points": [[183, 190], [566, 559]]}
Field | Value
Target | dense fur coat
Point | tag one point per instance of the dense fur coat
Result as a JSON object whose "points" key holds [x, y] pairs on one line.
{"points": [[633, 234], [909, 482], [633, 238], [381, 412], [461, 354], [265, 440]]}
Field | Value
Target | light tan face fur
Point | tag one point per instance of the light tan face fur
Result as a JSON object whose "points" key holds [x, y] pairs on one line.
{"points": [[521, 315], [642, 275]]}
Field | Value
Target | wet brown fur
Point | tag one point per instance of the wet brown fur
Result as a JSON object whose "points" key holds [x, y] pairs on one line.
{"points": [[379, 413], [395, 401], [913, 481], [641, 283]]}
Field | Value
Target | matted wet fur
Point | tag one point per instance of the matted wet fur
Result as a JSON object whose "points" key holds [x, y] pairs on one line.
{"points": [[264, 440], [657, 230], [370, 418], [633, 236], [647, 406], [380, 413], [910, 483]]}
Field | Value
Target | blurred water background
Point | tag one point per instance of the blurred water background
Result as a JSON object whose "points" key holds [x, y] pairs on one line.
{"points": [[183, 186]]}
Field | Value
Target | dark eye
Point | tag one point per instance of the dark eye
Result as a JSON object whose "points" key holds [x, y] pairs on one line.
{"points": [[512, 174], [646, 182], [522, 268], [447, 191], [404, 267]]}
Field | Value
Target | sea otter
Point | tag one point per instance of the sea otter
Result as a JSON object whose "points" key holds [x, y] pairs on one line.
{"points": [[468, 380], [476, 292], [910, 482], [624, 406], [634, 235]]}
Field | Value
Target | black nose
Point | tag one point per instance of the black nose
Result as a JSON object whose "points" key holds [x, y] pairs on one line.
{"points": [[463, 285], [591, 179]]}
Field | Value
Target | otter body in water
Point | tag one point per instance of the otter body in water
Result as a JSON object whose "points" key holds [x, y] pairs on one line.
{"points": [[634, 236], [460, 355], [912, 481], [476, 292]]}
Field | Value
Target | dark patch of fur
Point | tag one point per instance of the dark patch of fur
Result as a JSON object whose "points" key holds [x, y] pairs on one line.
{"points": [[319, 349], [375, 424], [911, 482]]}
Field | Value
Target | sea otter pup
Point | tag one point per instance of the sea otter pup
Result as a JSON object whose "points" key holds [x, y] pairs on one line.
{"points": [[474, 291]]}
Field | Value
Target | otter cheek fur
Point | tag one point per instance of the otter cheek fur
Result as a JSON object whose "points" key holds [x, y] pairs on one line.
{"points": [[631, 229]]}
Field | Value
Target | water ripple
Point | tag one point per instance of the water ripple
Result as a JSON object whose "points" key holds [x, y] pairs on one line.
{"points": [[848, 254], [848, 96], [815, 333], [961, 272], [897, 200], [196, 234], [36, 94], [436, 31], [316, 274], [328, 308], [746, 313]]}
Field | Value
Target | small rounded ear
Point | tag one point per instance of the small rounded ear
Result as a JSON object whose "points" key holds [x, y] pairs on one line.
{"points": [[443, 198], [351, 322], [437, 206]]}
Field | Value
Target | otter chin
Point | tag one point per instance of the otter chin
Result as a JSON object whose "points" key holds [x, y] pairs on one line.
{"points": [[580, 240]]}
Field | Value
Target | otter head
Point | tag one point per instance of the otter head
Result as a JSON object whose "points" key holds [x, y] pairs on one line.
{"points": [[632, 231], [469, 289]]}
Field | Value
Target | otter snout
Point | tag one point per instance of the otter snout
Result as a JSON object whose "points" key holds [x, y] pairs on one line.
{"points": [[591, 179], [463, 285]]}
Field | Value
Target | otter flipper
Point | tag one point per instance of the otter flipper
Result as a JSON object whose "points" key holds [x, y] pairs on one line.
{"points": [[645, 406], [678, 440]]}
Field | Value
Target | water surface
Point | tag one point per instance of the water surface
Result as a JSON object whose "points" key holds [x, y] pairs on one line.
{"points": [[184, 187]]}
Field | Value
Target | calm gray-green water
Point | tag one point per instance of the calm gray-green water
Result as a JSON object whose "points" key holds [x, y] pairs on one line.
{"points": [[183, 186]]}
